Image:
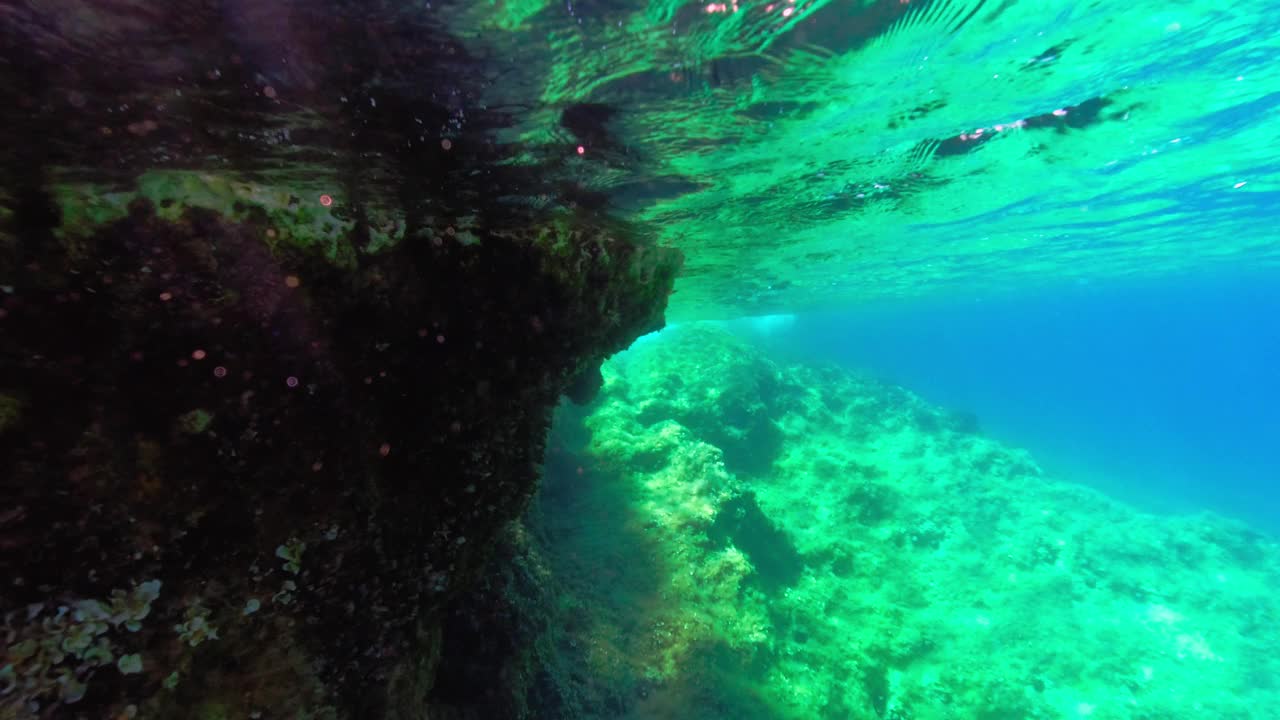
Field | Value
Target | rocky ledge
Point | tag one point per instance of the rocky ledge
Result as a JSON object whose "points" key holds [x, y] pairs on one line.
{"points": [[246, 470]]}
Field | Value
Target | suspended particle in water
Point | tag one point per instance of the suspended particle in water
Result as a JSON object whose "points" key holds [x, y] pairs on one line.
{"points": [[582, 150], [198, 354], [269, 92], [446, 144], [219, 372], [291, 381], [326, 200], [385, 449], [292, 281], [166, 296]]}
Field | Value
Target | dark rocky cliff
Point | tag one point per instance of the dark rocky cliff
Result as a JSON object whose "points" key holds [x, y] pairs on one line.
{"points": [[281, 330]]}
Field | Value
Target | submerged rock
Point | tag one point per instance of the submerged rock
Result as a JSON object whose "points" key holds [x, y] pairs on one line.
{"points": [[890, 563], [200, 404], [282, 324]]}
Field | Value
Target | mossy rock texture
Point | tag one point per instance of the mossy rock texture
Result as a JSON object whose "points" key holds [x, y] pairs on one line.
{"points": [[890, 562], [243, 480], [283, 317]]}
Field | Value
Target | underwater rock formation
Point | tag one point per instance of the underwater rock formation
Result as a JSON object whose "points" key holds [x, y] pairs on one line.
{"points": [[278, 371], [241, 477], [283, 322], [888, 563]]}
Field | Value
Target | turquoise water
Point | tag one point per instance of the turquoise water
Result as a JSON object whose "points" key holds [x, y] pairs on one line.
{"points": [[292, 290], [1052, 505], [1162, 392]]}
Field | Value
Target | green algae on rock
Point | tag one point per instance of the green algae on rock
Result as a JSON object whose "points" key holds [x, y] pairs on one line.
{"points": [[284, 320], [10, 412], [926, 571], [201, 406], [287, 214]]}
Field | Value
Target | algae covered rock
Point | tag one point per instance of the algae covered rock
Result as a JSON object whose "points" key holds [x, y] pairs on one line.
{"points": [[704, 380], [388, 419], [10, 412], [283, 321], [891, 563]]}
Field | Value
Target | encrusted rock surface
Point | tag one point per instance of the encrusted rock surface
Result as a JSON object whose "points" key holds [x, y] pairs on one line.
{"points": [[282, 322], [241, 478]]}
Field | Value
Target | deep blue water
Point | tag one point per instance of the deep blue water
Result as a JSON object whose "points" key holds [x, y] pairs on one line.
{"points": [[1164, 394]]}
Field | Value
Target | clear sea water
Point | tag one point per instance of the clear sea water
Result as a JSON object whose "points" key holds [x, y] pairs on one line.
{"points": [[1163, 392], [997, 438]]}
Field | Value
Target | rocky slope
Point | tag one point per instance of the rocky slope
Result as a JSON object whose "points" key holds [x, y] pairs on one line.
{"points": [[743, 539]]}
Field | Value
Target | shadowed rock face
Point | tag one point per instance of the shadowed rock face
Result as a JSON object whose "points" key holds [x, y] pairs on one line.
{"points": [[335, 448], [258, 429]]}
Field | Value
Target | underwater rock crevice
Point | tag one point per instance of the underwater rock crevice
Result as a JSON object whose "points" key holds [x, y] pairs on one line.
{"points": [[740, 521]]}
